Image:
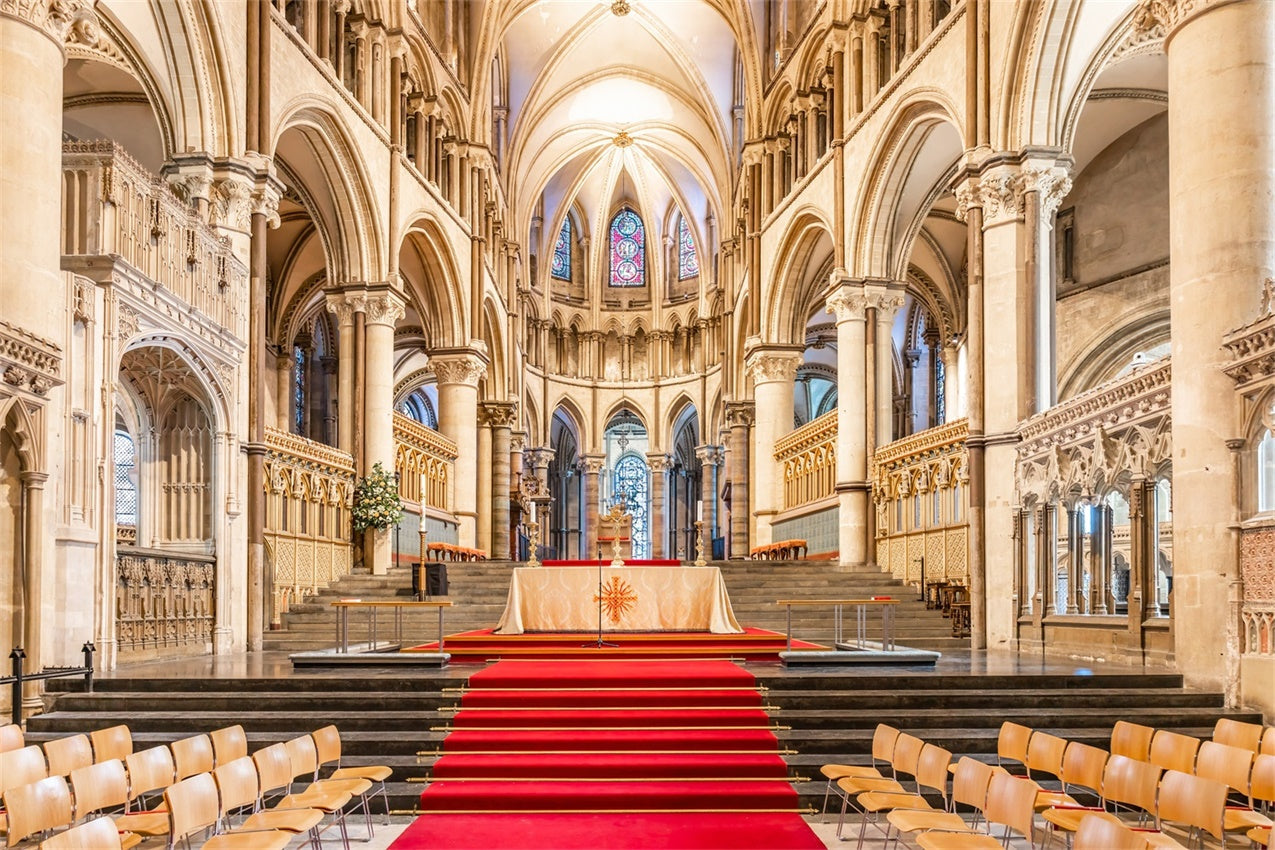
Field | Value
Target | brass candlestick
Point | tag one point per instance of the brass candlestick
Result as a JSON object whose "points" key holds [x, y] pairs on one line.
{"points": [[422, 592], [699, 544], [533, 535], [615, 515]]}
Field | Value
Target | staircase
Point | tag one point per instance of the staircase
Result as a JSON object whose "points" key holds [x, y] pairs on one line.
{"points": [[478, 591]]}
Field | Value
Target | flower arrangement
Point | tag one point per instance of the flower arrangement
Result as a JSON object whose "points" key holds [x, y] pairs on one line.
{"points": [[376, 501]]}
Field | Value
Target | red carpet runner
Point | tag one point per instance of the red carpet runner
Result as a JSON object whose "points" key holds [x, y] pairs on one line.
{"points": [[602, 755], [484, 645]]}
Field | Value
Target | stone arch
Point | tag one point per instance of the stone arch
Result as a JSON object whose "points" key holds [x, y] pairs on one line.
{"points": [[795, 285], [432, 279], [1115, 349], [213, 381]]}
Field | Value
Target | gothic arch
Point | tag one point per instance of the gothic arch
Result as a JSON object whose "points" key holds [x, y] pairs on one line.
{"points": [[432, 279], [794, 285]]}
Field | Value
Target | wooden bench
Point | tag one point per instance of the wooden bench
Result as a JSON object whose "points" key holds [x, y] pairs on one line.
{"points": [[783, 550], [452, 552]]}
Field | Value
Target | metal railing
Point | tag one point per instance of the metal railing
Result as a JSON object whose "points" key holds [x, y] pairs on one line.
{"points": [[20, 677]]}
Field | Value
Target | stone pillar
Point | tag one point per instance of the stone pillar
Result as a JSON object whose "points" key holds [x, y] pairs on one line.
{"points": [[482, 484], [739, 416], [593, 464], [1221, 58], [1141, 576], [344, 308], [1044, 518], [709, 458], [1075, 558], [886, 304], [849, 303], [283, 390], [501, 416], [330, 389], [458, 371], [773, 369], [33, 589], [953, 402], [659, 464], [382, 309]]}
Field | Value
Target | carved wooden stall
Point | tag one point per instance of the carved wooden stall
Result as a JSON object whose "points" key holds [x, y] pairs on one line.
{"points": [[164, 603], [424, 460], [809, 459]]}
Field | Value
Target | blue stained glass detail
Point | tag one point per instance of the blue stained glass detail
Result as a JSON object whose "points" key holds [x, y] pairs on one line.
{"points": [[628, 250], [561, 267], [298, 390], [632, 479], [687, 256]]}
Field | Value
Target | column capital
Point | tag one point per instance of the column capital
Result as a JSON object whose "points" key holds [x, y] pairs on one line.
{"points": [[847, 300], [1168, 16], [537, 457], [659, 461], [885, 301], [344, 303], [518, 441], [498, 414], [383, 307], [1050, 182], [593, 464], [458, 365], [709, 455], [774, 363], [740, 414]]}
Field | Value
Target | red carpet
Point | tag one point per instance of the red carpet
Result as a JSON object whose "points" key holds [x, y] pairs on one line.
{"points": [[485, 645], [610, 754]]}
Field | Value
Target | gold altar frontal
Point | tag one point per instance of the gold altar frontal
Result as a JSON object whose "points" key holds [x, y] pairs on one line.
{"points": [[634, 599]]}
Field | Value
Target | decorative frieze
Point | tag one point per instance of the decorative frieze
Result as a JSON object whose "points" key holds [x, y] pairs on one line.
{"points": [[164, 602], [28, 363], [425, 461], [808, 457]]}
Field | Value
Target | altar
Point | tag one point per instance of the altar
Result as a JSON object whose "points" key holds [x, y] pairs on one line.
{"points": [[634, 599]]}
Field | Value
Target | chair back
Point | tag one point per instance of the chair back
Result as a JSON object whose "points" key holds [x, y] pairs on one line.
{"points": [[97, 834], [237, 785], [113, 743], [1174, 751], [883, 741], [149, 771], [303, 758], [1192, 801], [931, 770], [192, 806], [1232, 766], [1011, 743], [1083, 766], [1236, 733], [327, 744], [229, 744], [1011, 802], [38, 806], [1268, 741], [1130, 782], [1097, 832], [907, 755], [274, 769], [971, 781], [1132, 740], [192, 755], [1262, 780], [22, 767], [99, 786], [11, 738], [1045, 754], [67, 754]]}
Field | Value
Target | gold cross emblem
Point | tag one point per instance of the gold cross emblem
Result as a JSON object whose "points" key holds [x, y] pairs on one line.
{"points": [[617, 598]]}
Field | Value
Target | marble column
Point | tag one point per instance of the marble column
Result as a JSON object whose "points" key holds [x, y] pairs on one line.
{"points": [[593, 464], [849, 303], [659, 464], [344, 307], [886, 304], [739, 416], [710, 457], [458, 371], [382, 309], [501, 416], [1221, 64], [482, 484], [33, 585], [773, 369]]}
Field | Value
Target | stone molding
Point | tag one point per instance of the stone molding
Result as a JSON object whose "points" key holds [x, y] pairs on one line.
{"points": [[740, 414], [849, 303], [458, 367], [498, 414], [771, 365], [29, 362], [1168, 16]]}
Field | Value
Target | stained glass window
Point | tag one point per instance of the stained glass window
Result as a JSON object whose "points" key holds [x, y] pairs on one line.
{"points": [[940, 388], [687, 256], [298, 390], [632, 480], [561, 268], [628, 250], [125, 487]]}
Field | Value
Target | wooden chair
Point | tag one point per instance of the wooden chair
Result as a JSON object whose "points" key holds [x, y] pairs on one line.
{"points": [[274, 773], [931, 773], [67, 754], [1132, 783], [1010, 803], [1045, 756], [1101, 831], [1083, 767], [22, 767], [37, 807], [193, 809], [1131, 740], [149, 771], [1260, 836], [970, 783], [1235, 767], [1268, 741], [11, 738], [103, 787], [192, 755], [229, 744], [1192, 802], [883, 740], [327, 743], [113, 743], [98, 834], [304, 758], [1235, 733], [238, 789], [904, 760], [1012, 743], [1174, 751]]}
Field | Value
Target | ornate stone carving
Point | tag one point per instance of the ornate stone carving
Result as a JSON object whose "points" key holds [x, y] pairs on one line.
{"points": [[383, 308], [55, 17], [593, 464], [29, 361], [1050, 183], [130, 322], [709, 455], [265, 201], [499, 414], [1002, 200], [885, 303], [770, 365], [848, 303], [343, 306], [163, 602], [1252, 347], [968, 195], [462, 368], [740, 414], [232, 203], [1168, 15], [658, 461]]}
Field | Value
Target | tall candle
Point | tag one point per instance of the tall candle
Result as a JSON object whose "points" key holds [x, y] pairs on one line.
{"points": [[533, 511], [699, 510]]}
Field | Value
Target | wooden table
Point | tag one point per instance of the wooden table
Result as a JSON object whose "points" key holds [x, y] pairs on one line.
{"points": [[343, 607], [861, 607]]}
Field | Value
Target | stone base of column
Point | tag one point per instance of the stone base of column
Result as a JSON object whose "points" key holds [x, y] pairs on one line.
{"points": [[222, 641]]}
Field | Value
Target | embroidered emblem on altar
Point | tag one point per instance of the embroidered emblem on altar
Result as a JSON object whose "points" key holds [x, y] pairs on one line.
{"points": [[617, 598]]}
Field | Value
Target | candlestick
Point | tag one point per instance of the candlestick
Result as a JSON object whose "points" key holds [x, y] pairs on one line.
{"points": [[699, 543], [699, 510], [533, 535]]}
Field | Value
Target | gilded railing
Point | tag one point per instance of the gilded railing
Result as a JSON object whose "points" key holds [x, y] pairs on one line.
{"points": [[112, 205], [425, 461], [920, 489], [309, 492], [164, 602], [809, 459]]}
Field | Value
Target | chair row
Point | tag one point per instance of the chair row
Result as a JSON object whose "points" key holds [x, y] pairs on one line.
{"points": [[784, 550], [452, 552]]}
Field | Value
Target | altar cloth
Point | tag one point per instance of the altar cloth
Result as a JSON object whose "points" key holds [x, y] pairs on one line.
{"points": [[634, 599]]}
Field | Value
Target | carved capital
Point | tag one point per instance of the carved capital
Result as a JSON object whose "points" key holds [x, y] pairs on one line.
{"points": [[769, 365], [1167, 16], [498, 414], [54, 17], [232, 199], [1001, 196], [344, 305], [848, 303], [593, 464], [968, 196], [458, 367], [709, 455], [658, 461], [886, 304], [383, 308], [1051, 184], [740, 414], [29, 362], [265, 201]]}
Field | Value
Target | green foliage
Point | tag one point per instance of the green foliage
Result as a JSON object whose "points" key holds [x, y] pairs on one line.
{"points": [[376, 501]]}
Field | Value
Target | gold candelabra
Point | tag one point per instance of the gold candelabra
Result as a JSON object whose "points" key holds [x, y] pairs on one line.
{"points": [[533, 541], [614, 516], [699, 544]]}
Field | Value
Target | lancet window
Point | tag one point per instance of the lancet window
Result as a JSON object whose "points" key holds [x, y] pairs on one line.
{"points": [[561, 267], [628, 249], [632, 480], [687, 256]]}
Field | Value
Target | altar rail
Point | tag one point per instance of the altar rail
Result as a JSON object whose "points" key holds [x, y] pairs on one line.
{"points": [[425, 461], [921, 493], [309, 492], [809, 459], [164, 602], [112, 205]]}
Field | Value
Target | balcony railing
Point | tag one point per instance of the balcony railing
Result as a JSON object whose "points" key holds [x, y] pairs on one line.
{"points": [[425, 461], [809, 458]]}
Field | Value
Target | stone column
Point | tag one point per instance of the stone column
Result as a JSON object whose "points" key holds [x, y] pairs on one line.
{"points": [[849, 303], [1141, 576], [501, 416], [344, 307], [382, 309], [330, 389], [458, 371], [709, 458], [953, 403], [283, 391], [1075, 558], [739, 416], [1221, 58], [1044, 517], [659, 464], [773, 369], [482, 484], [886, 305], [33, 585], [593, 464]]}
